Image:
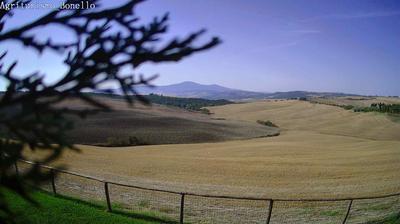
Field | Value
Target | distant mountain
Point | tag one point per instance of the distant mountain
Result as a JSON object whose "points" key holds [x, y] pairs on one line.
{"points": [[196, 90], [216, 92]]}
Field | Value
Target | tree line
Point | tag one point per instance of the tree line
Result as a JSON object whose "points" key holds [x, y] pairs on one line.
{"points": [[381, 107], [195, 104], [192, 104]]}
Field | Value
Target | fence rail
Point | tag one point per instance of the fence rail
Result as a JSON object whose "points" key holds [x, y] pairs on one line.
{"points": [[268, 209]]}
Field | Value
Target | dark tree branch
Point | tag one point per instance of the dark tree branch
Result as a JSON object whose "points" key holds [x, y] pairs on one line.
{"points": [[29, 109]]}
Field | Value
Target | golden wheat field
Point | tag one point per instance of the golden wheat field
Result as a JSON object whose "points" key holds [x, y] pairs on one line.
{"points": [[361, 101], [323, 151]]}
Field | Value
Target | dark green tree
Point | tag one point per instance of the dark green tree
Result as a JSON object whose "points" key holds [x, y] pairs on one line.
{"points": [[106, 40]]}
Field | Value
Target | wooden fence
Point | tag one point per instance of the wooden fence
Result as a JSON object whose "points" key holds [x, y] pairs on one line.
{"points": [[269, 202]]}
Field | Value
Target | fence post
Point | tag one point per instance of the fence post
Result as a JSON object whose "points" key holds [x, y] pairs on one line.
{"points": [[182, 208], [348, 211], [53, 181], [271, 204], [109, 209], [16, 168]]}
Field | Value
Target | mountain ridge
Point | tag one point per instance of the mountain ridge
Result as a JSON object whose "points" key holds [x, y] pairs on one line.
{"points": [[196, 90], [189, 89]]}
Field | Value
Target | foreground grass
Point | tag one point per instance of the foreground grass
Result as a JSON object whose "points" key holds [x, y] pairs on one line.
{"points": [[63, 210], [393, 219]]}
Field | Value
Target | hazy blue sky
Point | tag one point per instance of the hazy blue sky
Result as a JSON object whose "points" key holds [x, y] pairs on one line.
{"points": [[345, 46]]}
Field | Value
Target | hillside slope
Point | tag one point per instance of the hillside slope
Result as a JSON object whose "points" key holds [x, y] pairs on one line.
{"points": [[324, 119], [156, 124], [323, 151]]}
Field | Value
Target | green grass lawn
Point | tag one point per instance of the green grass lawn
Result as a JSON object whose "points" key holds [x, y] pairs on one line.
{"points": [[394, 219], [63, 210]]}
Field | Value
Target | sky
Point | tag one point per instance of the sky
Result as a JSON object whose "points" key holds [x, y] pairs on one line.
{"points": [[350, 46]]}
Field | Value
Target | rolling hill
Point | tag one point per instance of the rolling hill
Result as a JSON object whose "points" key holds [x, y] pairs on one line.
{"points": [[322, 151], [155, 124]]}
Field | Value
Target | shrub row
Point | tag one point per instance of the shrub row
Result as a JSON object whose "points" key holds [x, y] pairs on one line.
{"points": [[267, 123], [196, 104], [120, 141]]}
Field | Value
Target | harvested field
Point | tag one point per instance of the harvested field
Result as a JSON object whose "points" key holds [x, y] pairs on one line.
{"points": [[157, 125], [363, 101], [323, 151]]}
